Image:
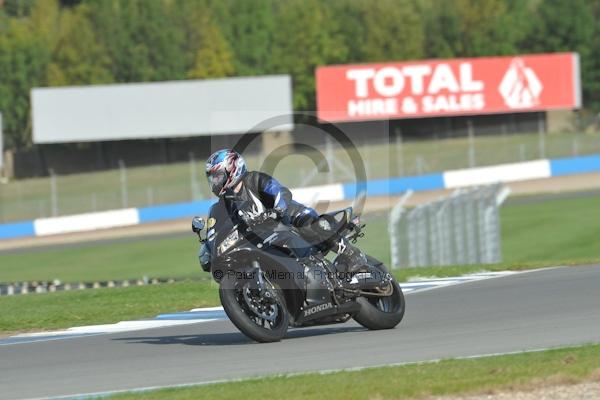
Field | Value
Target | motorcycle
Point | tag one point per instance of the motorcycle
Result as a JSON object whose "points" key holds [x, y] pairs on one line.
{"points": [[271, 278]]}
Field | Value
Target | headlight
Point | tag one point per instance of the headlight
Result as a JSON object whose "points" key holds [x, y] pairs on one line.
{"points": [[324, 224], [229, 241]]}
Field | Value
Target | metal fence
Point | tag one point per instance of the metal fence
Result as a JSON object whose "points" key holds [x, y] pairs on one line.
{"points": [[461, 229], [128, 186]]}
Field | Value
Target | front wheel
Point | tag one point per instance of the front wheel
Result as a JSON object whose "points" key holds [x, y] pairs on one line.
{"points": [[382, 312], [260, 315]]}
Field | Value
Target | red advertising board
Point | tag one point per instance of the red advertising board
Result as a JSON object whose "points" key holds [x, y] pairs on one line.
{"points": [[460, 86]]}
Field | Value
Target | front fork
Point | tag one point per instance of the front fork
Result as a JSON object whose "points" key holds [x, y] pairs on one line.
{"points": [[262, 285]]}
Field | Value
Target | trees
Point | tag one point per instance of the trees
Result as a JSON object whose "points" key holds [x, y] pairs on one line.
{"points": [[213, 57], [569, 25], [142, 41], [205, 51], [469, 28], [73, 42], [24, 54], [250, 29], [306, 38], [78, 57], [393, 31]]}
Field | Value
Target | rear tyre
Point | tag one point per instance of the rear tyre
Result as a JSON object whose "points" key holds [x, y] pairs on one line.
{"points": [[382, 312], [247, 312]]}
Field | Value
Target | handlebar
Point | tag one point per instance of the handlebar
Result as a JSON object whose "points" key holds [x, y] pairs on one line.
{"points": [[259, 219]]}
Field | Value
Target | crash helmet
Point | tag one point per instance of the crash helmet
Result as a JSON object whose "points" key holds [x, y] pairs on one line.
{"points": [[224, 169]]}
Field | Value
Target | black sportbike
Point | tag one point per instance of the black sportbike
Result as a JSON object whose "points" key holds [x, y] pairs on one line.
{"points": [[270, 277]]}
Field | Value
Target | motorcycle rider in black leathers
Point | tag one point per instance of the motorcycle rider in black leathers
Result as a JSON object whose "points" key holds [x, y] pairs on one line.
{"points": [[248, 194]]}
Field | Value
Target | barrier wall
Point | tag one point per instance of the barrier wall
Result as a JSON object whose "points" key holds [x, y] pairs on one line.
{"points": [[334, 192]]}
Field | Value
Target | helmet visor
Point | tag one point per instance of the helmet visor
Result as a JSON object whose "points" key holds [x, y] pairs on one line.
{"points": [[216, 180]]}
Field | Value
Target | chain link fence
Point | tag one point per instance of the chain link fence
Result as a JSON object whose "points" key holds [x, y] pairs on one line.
{"points": [[461, 229], [128, 186]]}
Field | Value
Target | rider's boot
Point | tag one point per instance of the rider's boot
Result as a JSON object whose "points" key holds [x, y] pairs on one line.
{"points": [[349, 258], [349, 261]]}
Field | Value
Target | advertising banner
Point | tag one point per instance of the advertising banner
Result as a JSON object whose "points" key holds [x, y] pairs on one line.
{"points": [[464, 86], [160, 109]]}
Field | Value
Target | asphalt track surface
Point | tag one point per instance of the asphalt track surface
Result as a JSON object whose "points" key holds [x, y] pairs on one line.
{"points": [[534, 310]]}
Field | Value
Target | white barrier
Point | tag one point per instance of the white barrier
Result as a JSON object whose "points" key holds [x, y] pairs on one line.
{"points": [[314, 194], [498, 173], [86, 222], [311, 195]]}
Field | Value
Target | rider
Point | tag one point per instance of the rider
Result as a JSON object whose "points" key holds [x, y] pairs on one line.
{"points": [[255, 191], [250, 193]]}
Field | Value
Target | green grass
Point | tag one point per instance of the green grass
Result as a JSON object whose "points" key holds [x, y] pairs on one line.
{"points": [[30, 198], [557, 231], [90, 307], [152, 257], [416, 381], [563, 231]]}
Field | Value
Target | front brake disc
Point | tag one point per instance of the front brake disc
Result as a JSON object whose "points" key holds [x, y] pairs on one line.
{"points": [[263, 309]]}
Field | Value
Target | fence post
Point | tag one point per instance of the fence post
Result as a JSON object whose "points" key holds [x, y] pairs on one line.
{"points": [[459, 226], [542, 136], [124, 194], [463, 228], [471, 221], [419, 164], [330, 158], [53, 193], [471, 143], [193, 179], [150, 195], [432, 233], [394, 221], [412, 242], [400, 152], [522, 152], [501, 194]]}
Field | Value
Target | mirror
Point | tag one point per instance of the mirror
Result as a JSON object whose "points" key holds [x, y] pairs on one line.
{"points": [[198, 224]]}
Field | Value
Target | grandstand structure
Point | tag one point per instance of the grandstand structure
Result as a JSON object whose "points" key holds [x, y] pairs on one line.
{"points": [[149, 123]]}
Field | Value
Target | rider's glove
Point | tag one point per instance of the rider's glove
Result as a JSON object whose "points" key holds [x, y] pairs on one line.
{"points": [[259, 219], [274, 214]]}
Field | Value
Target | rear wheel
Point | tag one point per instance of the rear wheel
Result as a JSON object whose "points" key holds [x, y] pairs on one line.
{"points": [[260, 315], [382, 312]]}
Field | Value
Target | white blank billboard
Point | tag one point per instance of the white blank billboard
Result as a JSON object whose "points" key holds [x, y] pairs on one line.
{"points": [[160, 110]]}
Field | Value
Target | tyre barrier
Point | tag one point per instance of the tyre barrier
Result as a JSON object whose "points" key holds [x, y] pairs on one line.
{"points": [[18, 288]]}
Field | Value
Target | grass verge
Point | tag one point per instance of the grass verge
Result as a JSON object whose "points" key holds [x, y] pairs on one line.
{"points": [[40, 312], [553, 232], [416, 381]]}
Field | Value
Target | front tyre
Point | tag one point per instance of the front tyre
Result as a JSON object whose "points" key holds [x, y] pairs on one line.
{"points": [[261, 318], [382, 312]]}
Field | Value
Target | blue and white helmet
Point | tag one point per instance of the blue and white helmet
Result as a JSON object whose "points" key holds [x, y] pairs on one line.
{"points": [[224, 169]]}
